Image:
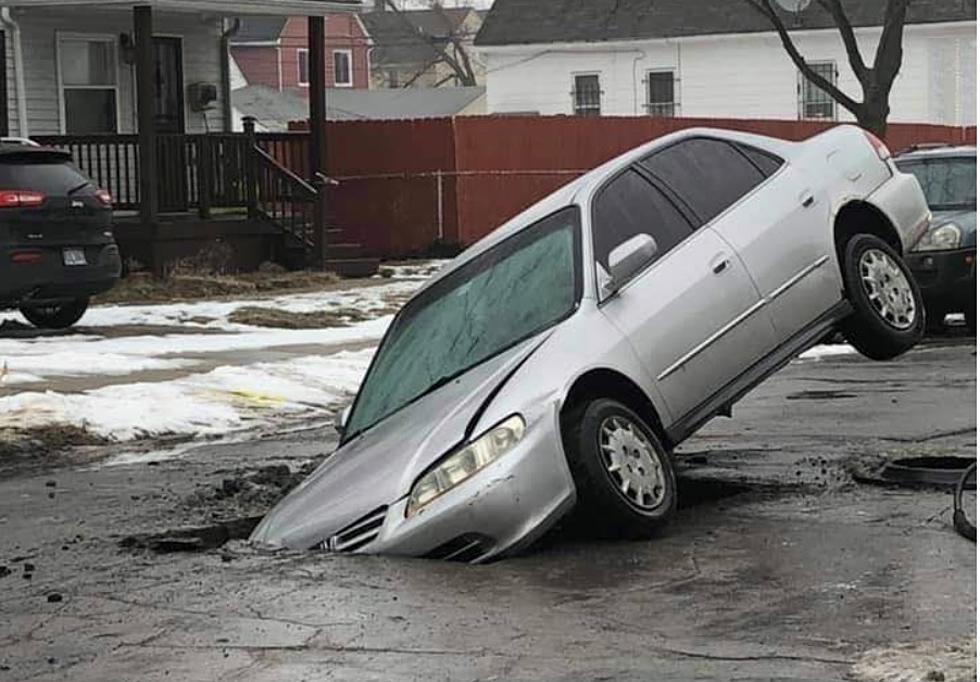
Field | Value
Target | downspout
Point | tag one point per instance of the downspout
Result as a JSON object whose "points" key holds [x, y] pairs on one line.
{"points": [[20, 87], [226, 37]]}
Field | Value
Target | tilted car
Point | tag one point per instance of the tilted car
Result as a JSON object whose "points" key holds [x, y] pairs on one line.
{"points": [[559, 360], [944, 260], [56, 243]]}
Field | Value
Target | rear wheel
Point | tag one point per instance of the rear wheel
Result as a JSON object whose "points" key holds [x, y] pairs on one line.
{"points": [[623, 475], [889, 317], [55, 316]]}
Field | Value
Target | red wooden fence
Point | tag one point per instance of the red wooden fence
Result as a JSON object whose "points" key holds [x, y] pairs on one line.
{"points": [[405, 185]]}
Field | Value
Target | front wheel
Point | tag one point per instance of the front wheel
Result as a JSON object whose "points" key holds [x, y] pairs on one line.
{"points": [[623, 475], [57, 315], [889, 317]]}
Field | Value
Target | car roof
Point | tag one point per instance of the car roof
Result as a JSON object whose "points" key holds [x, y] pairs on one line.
{"points": [[577, 191], [22, 150], [937, 152]]}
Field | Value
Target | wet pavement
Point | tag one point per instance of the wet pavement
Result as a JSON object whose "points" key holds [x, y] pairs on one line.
{"points": [[778, 566]]}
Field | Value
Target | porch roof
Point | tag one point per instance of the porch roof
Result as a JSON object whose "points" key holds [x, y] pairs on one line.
{"points": [[229, 8]]}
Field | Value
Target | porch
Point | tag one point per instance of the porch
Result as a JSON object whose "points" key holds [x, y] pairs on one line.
{"points": [[151, 123]]}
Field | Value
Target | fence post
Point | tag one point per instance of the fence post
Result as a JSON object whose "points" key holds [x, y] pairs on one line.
{"points": [[205, 177], [439, 198], [320, 222], [251, 167]]}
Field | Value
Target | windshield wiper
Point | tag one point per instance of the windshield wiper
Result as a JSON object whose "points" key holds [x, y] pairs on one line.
{"points": [[79, 187]]}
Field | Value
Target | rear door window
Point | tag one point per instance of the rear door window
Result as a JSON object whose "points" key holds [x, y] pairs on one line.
{"points": [[52, 176], [628, 206], [709, 175]]}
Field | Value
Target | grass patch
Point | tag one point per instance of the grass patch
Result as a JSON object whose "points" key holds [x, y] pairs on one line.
{"points": [[257, 316], [140, 287]]}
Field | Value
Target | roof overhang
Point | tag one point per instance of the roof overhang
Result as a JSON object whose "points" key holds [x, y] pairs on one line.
{"points": [[222, 7]]}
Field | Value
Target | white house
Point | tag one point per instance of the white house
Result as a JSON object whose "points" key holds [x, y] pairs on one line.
{"points": [[717, 58]]}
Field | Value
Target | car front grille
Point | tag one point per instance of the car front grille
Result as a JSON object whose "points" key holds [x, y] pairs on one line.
{"points": [[464, 549], [358, 534]]}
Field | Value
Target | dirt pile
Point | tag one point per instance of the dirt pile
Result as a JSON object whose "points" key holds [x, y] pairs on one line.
{"points": [[248, 492]]}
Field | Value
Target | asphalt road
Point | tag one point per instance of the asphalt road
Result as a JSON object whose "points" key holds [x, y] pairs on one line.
{"points": [[778, 567]]}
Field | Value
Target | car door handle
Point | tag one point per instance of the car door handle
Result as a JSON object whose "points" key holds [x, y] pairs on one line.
{"points": [[807, 199], [720, 266]]}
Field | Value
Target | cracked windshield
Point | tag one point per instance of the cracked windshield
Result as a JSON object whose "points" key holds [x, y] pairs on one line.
{"points": [[472, 315]]}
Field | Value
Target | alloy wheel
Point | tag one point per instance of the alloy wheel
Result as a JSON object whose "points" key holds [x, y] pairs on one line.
{"points": [[888, 289], [631, 462]]}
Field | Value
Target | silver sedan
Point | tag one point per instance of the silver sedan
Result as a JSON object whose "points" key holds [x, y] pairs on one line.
{"points": [[555, 364]]}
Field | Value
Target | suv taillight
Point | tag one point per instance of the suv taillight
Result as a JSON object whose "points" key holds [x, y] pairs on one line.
{"points": [[16, 198], [884, 153], [104, 197]]}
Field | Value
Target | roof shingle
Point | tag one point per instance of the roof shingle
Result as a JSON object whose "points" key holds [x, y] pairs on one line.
{"points": [[520, 22]]}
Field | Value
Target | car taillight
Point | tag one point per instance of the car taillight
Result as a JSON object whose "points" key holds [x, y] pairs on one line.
{"points": [[25, 257], [104, 197], [14, 198], [884, 153]]}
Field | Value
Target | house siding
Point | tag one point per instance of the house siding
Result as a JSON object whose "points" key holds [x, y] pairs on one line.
{"points": [[259, 65], [39, 28], [738, 76]]}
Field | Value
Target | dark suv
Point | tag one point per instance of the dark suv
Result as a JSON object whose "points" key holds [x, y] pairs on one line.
{"points": [[944, 260], [56, 244]]}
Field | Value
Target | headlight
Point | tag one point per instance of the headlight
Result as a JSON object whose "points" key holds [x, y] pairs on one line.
{"points": [[465, 462], [943, 238]]}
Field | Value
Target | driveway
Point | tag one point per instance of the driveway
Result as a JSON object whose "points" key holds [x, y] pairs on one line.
{"points": [[779, 566]]}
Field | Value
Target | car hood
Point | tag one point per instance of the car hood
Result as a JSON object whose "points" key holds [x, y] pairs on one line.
{"points": [[376, 468], [966, 220]]}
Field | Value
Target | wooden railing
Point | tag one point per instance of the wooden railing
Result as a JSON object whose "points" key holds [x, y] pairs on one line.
{"points": [[194, 171], [261, 172]]}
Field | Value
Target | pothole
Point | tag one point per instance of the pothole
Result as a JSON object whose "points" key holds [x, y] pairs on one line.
{"points": [[942, 471], [199, 539]]}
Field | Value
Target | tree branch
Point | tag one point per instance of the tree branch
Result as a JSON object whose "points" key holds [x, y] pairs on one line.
{"points": [[440, 54], [836, 10], [888, 59], [766, 9]]}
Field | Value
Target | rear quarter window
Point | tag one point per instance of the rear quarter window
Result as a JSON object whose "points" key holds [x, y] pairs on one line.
{"points": [[53, 176]]}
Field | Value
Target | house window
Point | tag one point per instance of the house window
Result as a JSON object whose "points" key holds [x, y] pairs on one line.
{"points": [[342, 76], [303, 64], [89, 84], [815, 103], [660, 94], [587, 96]]}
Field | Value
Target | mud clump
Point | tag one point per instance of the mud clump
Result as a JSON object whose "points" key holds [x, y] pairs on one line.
{"points": [[39, 447], [248, 491]]}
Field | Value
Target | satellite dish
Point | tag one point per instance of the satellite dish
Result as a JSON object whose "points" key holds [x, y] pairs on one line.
{"points": [[794, 6]]}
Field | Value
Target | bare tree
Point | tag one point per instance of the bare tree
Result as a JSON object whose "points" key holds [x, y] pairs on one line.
{"points": [[876, 80], [449, 49]]}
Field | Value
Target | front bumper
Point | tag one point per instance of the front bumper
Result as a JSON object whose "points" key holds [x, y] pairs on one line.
{"points": [[500, 510], [50, 280], [947, 279]]}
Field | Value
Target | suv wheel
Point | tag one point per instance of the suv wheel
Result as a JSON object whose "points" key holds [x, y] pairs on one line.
{"points": [[623, 475], [56, 316], [889, 317]]}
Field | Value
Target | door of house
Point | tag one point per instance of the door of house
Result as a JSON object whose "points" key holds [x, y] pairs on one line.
{"points": [[169, 109], [4, 121]]}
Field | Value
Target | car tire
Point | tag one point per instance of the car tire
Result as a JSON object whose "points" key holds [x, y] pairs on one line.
{"points": [[889, 316], [640, 495], [58, 316]]}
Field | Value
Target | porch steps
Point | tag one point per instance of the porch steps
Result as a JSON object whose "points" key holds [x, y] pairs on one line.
{"points": [[344, 258]]}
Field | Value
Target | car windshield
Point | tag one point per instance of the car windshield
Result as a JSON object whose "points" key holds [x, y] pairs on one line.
{"points": [[520, 287], [39, 172], [947, 182]]}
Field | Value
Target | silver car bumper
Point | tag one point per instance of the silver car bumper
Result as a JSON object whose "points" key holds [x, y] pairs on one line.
{"points": [[499, 510]]}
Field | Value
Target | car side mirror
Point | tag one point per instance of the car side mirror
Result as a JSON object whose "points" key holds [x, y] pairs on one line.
{"points": [[629, 258], [340, 421]]}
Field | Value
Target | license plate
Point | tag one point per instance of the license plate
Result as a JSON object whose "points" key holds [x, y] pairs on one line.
{"points": [[74, 257]]}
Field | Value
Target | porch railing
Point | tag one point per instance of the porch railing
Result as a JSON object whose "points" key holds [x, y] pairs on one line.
{"points": [[200, 172]]}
